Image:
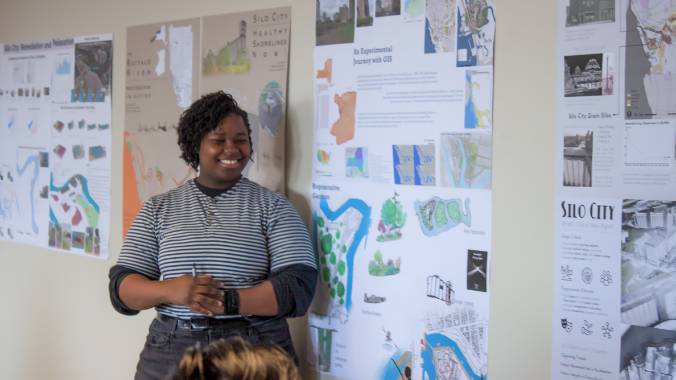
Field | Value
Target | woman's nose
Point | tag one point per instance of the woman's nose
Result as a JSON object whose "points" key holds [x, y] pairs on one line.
{"points": [[229, 145]]}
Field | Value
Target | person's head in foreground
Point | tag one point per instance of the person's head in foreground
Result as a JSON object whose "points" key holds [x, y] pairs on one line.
{"points": [[235, 359]]}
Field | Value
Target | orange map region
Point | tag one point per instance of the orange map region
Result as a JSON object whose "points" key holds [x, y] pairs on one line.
{"points": [[131, 202], [77, 218], [343, 128], [326, 71]]}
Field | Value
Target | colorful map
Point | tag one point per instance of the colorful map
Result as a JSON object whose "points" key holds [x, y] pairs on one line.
{"points": [[478, 99], [437, 215], [414, 165], [398, 367], [440, 26], [74, 216], [72, 203], [476, 32], [323, 156], [343, 128], [356, 163], [327, 71], [339, 234], [650, 71], [446, 357], [55, 104], [20, 211], [413, 8], [455, 344], [402, 126], [466, 160], [149, 172], [162, 69]]}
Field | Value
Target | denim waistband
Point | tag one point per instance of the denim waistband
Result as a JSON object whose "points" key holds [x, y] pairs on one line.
{"points": [[196, 324]]}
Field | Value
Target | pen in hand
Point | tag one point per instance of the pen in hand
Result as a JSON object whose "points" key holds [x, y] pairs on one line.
{"points": [[194, 270]]}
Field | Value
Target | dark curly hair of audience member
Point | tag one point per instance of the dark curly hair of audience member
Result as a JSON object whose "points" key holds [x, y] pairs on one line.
{"points": [[235, 359], [202, 117]]}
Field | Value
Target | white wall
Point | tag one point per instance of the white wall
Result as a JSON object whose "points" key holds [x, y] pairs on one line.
{"points": [[56, 321]]}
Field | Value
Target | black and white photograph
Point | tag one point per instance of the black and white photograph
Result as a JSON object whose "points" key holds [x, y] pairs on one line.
{"points": [[647, 353], [586, 12], [388, 8], [477, 265], [649, 263], [578, 149], [583, 75]]}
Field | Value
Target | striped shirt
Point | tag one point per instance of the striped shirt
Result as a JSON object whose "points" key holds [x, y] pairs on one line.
{"points": [[239, 237]]}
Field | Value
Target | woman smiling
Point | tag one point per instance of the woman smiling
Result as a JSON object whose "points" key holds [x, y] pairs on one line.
{"points": [[218, 256]]}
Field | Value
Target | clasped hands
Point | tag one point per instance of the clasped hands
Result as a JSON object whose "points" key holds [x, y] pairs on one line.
{"points": [[201, 293]]}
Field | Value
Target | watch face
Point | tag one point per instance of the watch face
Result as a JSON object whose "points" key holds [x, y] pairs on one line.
{"points": [[231, 302]]}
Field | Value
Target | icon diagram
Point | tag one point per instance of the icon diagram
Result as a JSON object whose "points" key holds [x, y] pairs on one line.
{"points": [[587, 275], [586, 328]]}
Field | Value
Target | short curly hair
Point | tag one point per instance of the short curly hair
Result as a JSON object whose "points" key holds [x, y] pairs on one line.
{"points": [[202, 117], [235, 358]]}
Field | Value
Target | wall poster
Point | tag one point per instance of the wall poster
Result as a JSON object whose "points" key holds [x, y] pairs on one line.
{"points": [[401, 189], [171, 64], [55, 143], [615, 276]]}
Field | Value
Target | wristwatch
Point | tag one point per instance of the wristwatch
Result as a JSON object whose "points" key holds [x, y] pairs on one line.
{"points": [[231, 302]]}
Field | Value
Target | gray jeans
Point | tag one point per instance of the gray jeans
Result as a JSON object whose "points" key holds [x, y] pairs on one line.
{"points": [[167, 340]]}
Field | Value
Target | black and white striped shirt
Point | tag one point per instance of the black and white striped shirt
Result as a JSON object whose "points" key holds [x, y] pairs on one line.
{"points": [[239, 237]]}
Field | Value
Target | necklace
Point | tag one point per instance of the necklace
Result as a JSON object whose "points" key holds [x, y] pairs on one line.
{"points": [[207, 204]]}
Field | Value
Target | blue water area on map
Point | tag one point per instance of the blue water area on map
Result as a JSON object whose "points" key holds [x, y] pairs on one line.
{"points": [[355, 164], [65, 186], [63, 67], [421, 158], [436, 340], [465, 42], [397, 161], [394, 370], [359, 235], [35, 161], [429, 45], [403, 161], [470, 116]]}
